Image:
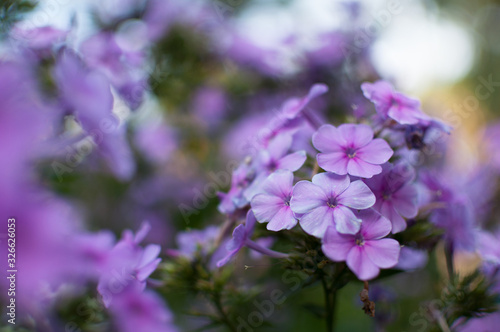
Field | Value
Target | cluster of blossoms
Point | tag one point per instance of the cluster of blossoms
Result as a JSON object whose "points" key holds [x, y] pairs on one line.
{"points": [[102, 131]]}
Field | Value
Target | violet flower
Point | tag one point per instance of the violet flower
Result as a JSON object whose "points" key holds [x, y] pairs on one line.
{"points": [[135, 310], [273, 205], [351, 149], [396, 196], [392, 104], [365, 252], [241, 238], [327, 201], [128, 264]]}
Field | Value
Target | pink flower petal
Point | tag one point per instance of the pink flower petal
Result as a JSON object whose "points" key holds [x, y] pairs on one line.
{"points": [[406, 201], [357, 196], [279, 184], [336, 246], [293, 161], [374, 225], [358, 167], [279, 146], [317, 221], [377, 151], [307, 196], [284, 219], [265, 207], [357, 135], [335, 162], [332, 184], [384, 253], [360, 264], [345, 220], [388, 211], [328, 139]]}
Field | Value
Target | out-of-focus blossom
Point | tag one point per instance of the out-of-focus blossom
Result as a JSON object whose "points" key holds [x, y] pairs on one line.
{"points": [[412, 259], [122, 67], [273, 205], [209, 105], [487, 323], [134, 310], [367, 251], [328, 201], [128, 264], [393, 104], [351, 149], [396, 195], [242, 177], [241, 238], [40, 40], [87, 95], [156, 141], [193, 241]]}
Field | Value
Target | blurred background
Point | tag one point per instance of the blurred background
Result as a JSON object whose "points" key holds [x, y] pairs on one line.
{"points": [[214, 71]]}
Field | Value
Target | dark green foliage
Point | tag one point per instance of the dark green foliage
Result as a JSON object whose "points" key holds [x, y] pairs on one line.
{"points": [[11, 11]]}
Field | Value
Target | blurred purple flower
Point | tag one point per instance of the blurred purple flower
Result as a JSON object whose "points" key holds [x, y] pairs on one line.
{"points": [[134, 310], [192, 241], [367, 251], [327, 201], [234, 199], [392, 104], [351, 149], [412, 259], [241, 238], [87, 95], [122, 67], [209, 105], [156, 141], [273, 205], [128, 264], [396, 196]]}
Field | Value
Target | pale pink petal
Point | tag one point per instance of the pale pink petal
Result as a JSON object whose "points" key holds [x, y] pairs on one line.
{"points": [[388, 211], [279, 145], [357, 196], [279, 184], [336, 246], [307, 196], [377, 151], [345, 220], [317, 221], [406, 201], [284, 219], [384, 253], [358, 167], [332, 184], [374, 225], [361, 265], [265, 207], [293, 161], [357, 135], [327, 139], [335, 162]]}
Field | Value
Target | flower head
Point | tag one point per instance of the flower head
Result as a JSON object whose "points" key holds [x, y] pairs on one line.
{"points": [[365, 252], [327, 201], [396, 195], [351, 149], [393, 104], [273, 205]]}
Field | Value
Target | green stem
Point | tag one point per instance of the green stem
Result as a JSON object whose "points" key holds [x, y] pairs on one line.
{"points": [[448, 252], [330, 301]]}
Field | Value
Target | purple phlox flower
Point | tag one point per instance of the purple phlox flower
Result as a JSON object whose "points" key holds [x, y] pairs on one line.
{"points": [[273, 205], [128, 264], [134, 310], [87, 95], [193, 241], [241, 238], [351, 149], [412, 259], [274, 158], [397, 197], [367, 251], [234, 199], [209, 105], [393, 104], [425, 133], [329, 52], [157, 141], [488, 247], [122, 67], [455, 213], [328, 201]]}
